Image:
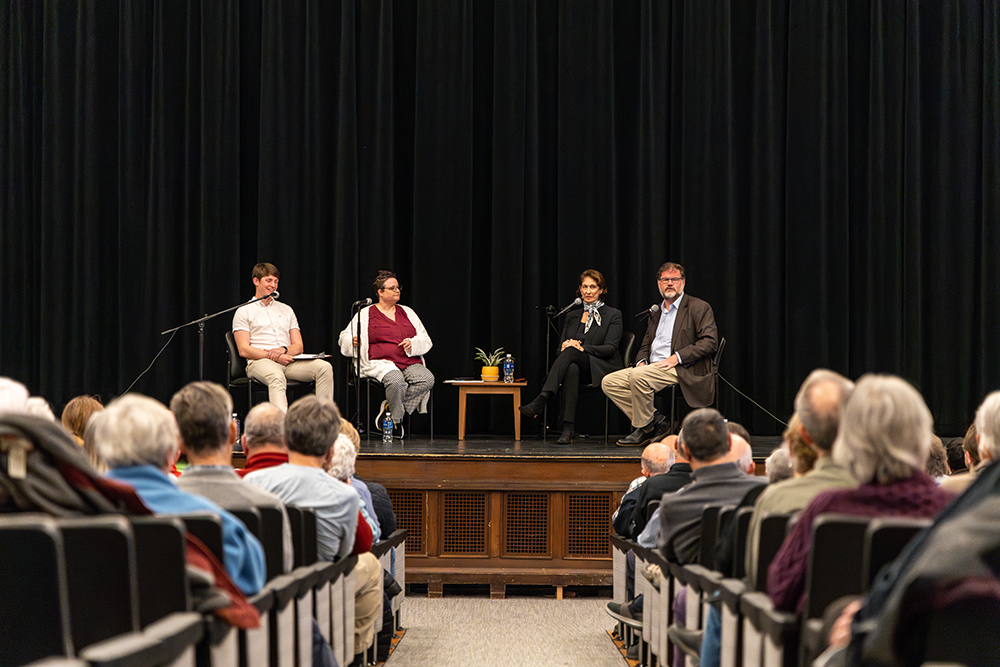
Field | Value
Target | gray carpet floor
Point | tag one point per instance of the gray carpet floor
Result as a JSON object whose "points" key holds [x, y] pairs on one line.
{"points": [[462, 631]]}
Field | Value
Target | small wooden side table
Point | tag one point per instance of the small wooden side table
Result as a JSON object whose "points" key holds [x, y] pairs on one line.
{"points": [[466, 387]]}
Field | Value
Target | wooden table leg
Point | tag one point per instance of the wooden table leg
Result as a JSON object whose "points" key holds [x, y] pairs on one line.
{"points": [[517, 413], [461, 413]]}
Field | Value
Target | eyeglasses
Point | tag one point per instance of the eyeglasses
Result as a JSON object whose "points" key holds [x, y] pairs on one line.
{"points": [[667, 281], [391, 289]]}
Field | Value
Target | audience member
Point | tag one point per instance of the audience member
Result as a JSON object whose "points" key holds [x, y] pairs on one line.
{"points": [[818, 406], [657, 464], [204, 417], [948, 571], [13, 396], [885, 434], [381, 502], [77, 413], [779, 465], [264, 438], [937, 461], [312, 425], [803, 454], [706, 443], [960, 482], [341, 467], [137, 438], [39, 407], [956, 456]]}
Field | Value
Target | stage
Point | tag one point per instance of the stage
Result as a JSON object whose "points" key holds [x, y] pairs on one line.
{"points": [[495, 511]]}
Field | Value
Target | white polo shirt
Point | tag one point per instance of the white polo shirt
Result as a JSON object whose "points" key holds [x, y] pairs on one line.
{"points": [[268, 325]]}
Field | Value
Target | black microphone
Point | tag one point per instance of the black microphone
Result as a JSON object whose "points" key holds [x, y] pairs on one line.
{"points": [[273, 295], [576, 302], [363, 302], [646, 313]]}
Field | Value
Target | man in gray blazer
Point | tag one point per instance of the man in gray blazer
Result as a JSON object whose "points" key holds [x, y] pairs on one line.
{"points": [[681, 338]]}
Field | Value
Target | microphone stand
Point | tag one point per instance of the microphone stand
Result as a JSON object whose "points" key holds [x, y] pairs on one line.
{"points": [[201, 331], [550, 315], [357, 370]]}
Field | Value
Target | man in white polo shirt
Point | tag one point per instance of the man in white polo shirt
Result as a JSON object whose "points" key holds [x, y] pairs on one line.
{"points": [[268, 337]]}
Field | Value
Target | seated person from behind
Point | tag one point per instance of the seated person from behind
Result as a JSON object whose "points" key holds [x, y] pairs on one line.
{"points": [[312, 425], [203, 411], [718, 480], [393, 342], [883, 440], [137, 438], [264, 438], [268, 337]]}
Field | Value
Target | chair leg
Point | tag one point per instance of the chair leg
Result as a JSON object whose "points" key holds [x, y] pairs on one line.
{"points": [[673, 407], [368, 409], [430, 408], [606, 401]]}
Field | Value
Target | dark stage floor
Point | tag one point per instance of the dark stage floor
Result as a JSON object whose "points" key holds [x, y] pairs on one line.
{"points": [[494, 446]]}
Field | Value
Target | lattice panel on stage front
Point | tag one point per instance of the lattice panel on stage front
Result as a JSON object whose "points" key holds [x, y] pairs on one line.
{"points": [[527, 523], [409, 509], [587, 519], [464, 525]]}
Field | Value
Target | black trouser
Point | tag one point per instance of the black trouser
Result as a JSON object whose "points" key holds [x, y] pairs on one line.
{"points": [[570, 369]]}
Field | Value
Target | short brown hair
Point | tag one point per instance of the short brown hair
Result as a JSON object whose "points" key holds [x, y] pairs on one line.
{"points": [[312, 424], [204, 411], [263, 269], [803, 455], [594, 275], [671, 266], [380, 279]]}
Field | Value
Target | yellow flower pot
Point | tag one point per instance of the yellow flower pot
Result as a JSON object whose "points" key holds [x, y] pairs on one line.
{"points": [[491, 373]]}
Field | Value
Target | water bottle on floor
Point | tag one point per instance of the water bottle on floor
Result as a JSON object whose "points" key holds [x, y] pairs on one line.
{"points": [[238, 445], [508, 368], [387, 427]]}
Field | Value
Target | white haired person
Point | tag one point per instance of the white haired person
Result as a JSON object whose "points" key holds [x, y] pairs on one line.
{"points": [[138, 439], [341, 467], [884, 437]]}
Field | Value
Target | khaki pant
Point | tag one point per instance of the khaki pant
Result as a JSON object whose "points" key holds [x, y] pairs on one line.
{"points": [[367, 600], [633, 389], [275, 376]]}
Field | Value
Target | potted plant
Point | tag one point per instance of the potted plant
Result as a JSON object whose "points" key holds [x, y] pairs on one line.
{"points": [[491, 363]]}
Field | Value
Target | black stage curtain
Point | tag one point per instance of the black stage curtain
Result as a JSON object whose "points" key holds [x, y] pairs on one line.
{"points": [[828, 172]]}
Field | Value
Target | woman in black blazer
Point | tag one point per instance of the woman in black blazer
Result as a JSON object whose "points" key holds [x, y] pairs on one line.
{"points": [[588, 350]]}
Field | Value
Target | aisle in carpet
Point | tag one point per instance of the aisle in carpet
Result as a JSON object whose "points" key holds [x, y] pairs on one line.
{"points": [[505, 633]]}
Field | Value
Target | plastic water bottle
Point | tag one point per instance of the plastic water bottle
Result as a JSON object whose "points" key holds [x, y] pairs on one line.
{"points": [[508, 368], [387, 427], [238, 445]]}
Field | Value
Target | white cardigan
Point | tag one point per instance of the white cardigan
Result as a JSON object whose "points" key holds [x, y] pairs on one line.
{"points": [[377, 368]]}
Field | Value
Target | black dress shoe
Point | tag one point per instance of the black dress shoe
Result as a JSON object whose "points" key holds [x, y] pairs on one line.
{"points": [[639, 437], [567, 435], [661, 429]]}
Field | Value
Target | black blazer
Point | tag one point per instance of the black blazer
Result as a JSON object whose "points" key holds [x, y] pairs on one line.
{"points": [[695, 339], [601, 342]]}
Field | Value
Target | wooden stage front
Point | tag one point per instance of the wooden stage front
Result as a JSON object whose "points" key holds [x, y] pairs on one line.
{"points": [[503, 512]]}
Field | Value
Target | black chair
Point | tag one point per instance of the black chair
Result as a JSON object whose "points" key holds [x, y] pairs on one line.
{"points": [[743, 516], [885, 539], [101, 575], [352, 379], [773, 529], [236, 373], [625, 346], [207, 527], [303, 522], [161, 567], [35, 607], [716, 360]]}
